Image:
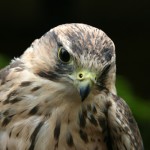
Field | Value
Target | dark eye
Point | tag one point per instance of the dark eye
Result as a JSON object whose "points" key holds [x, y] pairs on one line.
{"points": [[63, 55]]}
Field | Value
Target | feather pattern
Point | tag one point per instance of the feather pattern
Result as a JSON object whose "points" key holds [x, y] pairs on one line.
{"points": [[41, 108]]}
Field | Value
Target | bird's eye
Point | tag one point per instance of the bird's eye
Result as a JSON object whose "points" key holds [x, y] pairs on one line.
{"points": [[63, 55]]}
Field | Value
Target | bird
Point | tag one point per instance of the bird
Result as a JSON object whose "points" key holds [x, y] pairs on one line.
{"points": [[60, 94]]}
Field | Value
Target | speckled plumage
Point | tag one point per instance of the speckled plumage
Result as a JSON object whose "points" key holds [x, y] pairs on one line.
{"points": [[41, 107]]}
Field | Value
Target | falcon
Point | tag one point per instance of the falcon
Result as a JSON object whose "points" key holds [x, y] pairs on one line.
{"points": [[60, 95]]}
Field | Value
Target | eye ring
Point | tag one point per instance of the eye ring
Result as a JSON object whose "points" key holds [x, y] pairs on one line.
{"points": [[64, 55]]}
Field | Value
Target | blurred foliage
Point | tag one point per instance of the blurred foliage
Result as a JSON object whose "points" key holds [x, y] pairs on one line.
{"points": [[139, 106], [3, 61]]}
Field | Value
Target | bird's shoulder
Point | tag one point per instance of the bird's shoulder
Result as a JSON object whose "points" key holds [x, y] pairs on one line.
{"points": [[125, 122], [15, 66]]}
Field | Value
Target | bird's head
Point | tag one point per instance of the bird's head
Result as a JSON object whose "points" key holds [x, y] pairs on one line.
{"points": [[76, 55]]}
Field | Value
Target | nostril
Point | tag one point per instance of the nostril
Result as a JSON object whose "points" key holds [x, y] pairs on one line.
{"points": [[81, 75]]}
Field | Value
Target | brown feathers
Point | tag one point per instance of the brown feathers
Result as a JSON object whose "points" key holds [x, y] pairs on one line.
{"points": [[40, 99]]}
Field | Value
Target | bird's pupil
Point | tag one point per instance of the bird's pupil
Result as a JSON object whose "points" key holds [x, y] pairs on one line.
{"points": [[64, 55]]}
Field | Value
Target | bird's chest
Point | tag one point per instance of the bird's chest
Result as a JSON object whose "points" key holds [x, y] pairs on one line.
{"points": [[73, 136], [85, 129], [58, 128]]}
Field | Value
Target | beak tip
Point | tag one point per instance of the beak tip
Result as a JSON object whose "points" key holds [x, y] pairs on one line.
{"points": [[84, 92]]}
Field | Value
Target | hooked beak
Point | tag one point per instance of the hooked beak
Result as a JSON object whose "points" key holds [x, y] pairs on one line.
{"points": [[84, 89], [84, 80]]}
